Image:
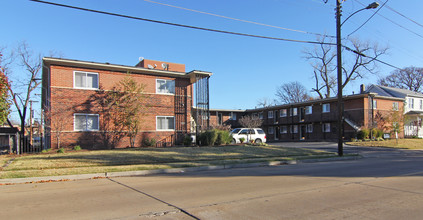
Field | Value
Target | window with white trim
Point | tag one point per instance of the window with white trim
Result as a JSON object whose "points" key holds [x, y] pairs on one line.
{"points": [[260, 115], [309, 128], [374, 104], [294, 111], [326, 108], [164, 86], [85, 80], [165, 123], [270, 130], [411, 103], [85, 122], [395, 106], [326, 127], [284, 129], [309, 110], [294, 129], [270, 114], [283, 113], [232, 116]]}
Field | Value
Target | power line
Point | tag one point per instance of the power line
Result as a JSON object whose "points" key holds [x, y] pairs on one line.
{"points": [[393, 22], [181, 25], [241, 20], [415, 22], [373, 58], [369, 18]]}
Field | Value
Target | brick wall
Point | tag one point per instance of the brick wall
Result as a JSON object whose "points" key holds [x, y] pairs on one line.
{"points": [[66, 101]]}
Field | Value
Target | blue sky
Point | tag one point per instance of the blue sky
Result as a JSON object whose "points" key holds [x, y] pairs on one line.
{"points": [[244, 69]]}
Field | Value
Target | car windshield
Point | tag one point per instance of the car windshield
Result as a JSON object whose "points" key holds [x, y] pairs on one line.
{"points": [[236, 130]]}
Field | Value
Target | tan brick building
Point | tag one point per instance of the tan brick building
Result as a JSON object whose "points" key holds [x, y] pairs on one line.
{"points": [[73, 99]]}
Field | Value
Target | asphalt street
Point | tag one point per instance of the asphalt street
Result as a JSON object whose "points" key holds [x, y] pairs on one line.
{"points": [[384, 184]]}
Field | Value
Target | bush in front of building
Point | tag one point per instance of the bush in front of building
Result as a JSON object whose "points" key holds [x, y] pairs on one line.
{"points": [[187, 140], [147, 142], [363, 134], [214, 137]]}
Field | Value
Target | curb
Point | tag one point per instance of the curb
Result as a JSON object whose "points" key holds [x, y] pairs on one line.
{"points": [[165, 171]]}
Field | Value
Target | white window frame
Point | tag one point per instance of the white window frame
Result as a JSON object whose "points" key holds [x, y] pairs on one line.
{"points": [[411, 103], [374, 104], [395, 106], [309, 110], [327, 108], [309, 128], [271, 130], [232, 116], [86, 73], [157, 124], [283, 112], [326, 127], [270, 114], [85, 114], [421, 104], [284, 129], [165, 93], [294, 129], [294, 111], [260, 115]]}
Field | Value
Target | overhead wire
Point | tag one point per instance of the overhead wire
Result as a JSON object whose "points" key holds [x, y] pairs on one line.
{"points": [[180, 25], [206, 29], [241, 20], [399, 25], [415, 22], [368, 19]]}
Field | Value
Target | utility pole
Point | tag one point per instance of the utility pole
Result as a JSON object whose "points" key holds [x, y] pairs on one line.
{"points": [[30, 122], [339, 68]]}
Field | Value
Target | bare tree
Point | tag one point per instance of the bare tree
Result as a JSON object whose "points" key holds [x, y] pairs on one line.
{"points": [[55, 125], [250, 121], [22, 88], [410, 78], [292, 92], [360, 61], [265, 102]]}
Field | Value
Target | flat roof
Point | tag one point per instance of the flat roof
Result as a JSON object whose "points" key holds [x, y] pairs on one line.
{"points": [[123, 68]]}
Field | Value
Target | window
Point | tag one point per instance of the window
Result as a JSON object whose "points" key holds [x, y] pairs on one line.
{"points": [[284, 129], [232, 116], [421, 104], [326, 127], [283, 113], [164, 86], [85, 80], [410, 103], [294, 111], [165, 123], [309, 128], [395, 106], [294, 129], [244, 131], [86, 122], [270, 130], [260, 115], [270, 114], [309, 110], [326, 107], [374, 104]]}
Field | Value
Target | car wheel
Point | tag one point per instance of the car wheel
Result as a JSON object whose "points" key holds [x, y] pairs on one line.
{"points": [[258, 141], [233, 141]]}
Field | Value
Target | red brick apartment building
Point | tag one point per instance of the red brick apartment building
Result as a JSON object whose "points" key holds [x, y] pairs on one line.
{"points": [[316, 120], [72, 97]]}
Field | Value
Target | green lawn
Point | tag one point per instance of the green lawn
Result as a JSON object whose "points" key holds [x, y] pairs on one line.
{"points": [[413, 144], [81, 162]]}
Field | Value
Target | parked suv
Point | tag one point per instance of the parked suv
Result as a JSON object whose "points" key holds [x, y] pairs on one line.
{"points": [[256, 134]]}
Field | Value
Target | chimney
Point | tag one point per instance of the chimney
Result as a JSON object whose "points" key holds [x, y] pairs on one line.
{"points": [[362, 88]]}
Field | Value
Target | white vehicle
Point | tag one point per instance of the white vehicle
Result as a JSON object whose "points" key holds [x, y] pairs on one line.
{"points": [[256, 134]]}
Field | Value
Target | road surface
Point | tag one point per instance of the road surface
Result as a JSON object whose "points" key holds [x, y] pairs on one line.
{"points": [[384, 184]]}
